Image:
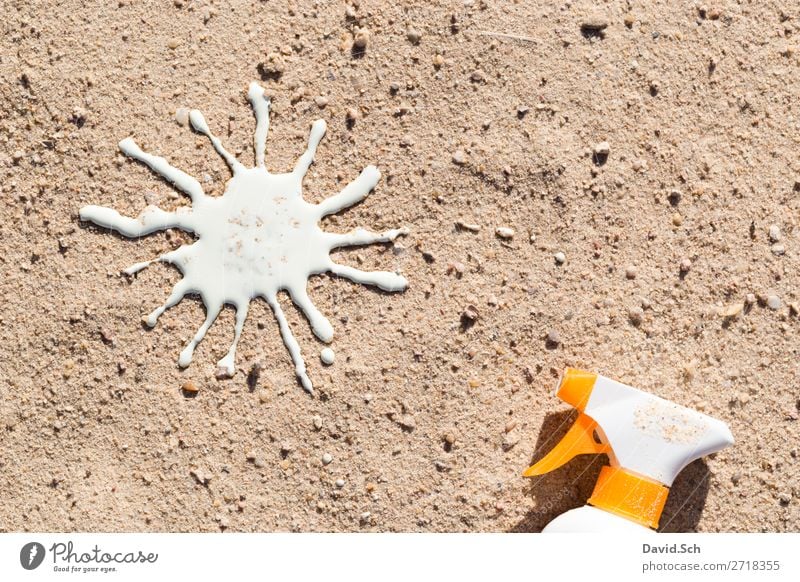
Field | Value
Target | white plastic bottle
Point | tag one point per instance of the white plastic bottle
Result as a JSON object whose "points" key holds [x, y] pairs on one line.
{"points": [[589, 519]]}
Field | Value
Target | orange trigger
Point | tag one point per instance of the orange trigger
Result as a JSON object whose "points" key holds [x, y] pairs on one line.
{"points": [[579, 440]]}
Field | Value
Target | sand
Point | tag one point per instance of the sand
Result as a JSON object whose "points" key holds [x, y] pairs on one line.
{"points": [[482, 114]]}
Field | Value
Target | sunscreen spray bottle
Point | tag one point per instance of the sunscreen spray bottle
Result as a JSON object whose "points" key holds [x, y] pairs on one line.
{"points": [[648, 440]]}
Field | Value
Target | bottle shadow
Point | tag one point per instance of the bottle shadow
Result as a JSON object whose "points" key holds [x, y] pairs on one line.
{"points": [[686, 500], [571, 485]]}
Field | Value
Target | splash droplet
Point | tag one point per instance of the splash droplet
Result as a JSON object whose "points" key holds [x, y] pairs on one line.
{"points": [[328, 356]]}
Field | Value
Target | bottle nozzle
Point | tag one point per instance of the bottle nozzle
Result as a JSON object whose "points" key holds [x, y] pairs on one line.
{"points": [[576, 386]]}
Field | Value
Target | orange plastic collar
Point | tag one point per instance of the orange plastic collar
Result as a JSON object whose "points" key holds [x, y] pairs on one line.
{"points": [[629, 496]]}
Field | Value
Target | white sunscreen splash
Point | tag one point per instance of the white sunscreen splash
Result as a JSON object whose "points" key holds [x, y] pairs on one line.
{"points": [[260, 237]]}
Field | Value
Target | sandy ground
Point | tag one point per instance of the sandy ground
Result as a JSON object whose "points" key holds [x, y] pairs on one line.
{"points": [[429, 422]]}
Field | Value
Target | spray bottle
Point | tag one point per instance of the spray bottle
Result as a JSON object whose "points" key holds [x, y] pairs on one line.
{"points": [[648, 440]]}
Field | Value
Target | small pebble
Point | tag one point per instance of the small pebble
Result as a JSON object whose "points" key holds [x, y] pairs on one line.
{"points": [[413, 35], [182, 116], [200, 477], [773, 302], [327, 356], [478, 76], [174, 43], [274, 64], [189, 387], [351, 114], [459, 157], [750, 299], [594, 24], [505, 233], [321, 101], [317, 423], [456, 267], [107, 336], [774, 233], [778, 249], [470, 314], [327, 459], [601, 149], [685, 266], [731, 311], [340, 483], [677, 219], [636, 315], [361, 39], [254, 374], [450, 439], [407, 422], [511, 440], [630, 272], [560, 257], [553, 337], [438, 61], [404, 109], [468, 226]]}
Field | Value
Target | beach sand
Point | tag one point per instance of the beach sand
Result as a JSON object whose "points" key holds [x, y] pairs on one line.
{"points": [[481, 116]]}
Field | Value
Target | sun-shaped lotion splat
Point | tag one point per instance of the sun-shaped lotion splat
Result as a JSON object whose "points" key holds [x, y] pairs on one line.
{"points": [[258, 238]]}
